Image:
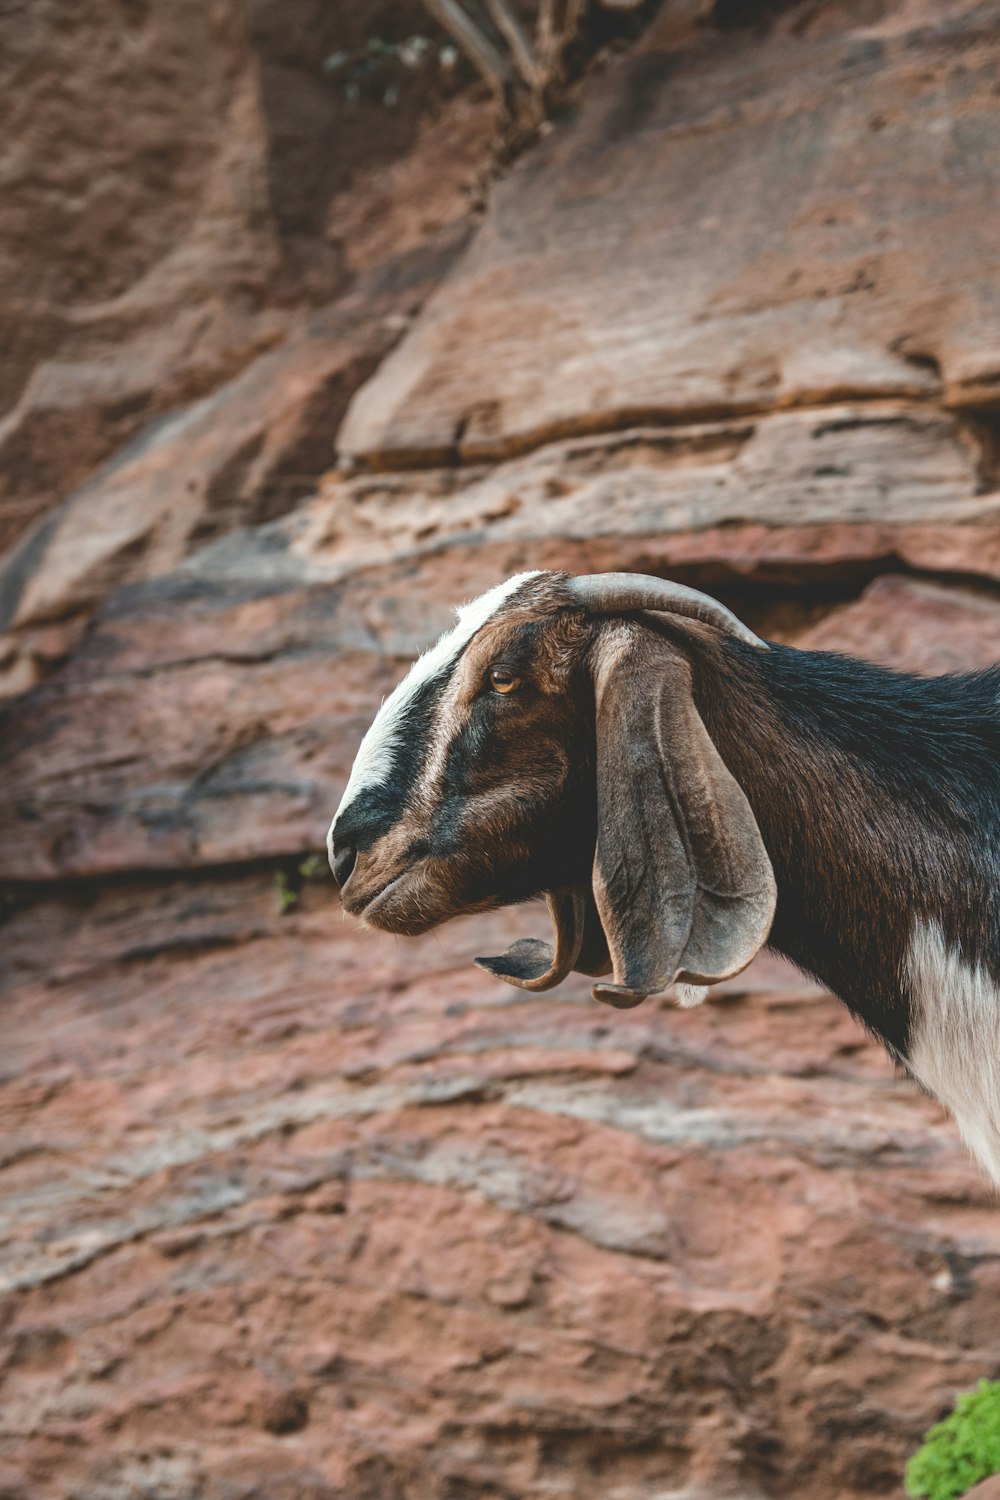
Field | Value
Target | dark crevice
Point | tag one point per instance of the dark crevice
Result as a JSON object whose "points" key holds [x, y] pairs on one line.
{"points": [[781, 600], [923, 361], [339, 98], [312, 451], [984, 429], [84, 890], [225, 495], [759, 15], [465, 453]]}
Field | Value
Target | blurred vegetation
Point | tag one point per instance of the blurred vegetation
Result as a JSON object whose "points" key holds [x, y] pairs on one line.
{"points": [[289, 880], [960, 1451], [371, 69], [527, 51]]}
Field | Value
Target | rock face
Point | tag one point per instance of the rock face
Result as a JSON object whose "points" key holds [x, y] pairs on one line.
{"points": [[777, 221], [988, 1490], [170, 178], [239, 456], [289, 1209]]}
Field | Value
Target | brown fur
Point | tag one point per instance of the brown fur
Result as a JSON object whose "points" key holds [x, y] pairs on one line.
{"points": [[600, 748]]}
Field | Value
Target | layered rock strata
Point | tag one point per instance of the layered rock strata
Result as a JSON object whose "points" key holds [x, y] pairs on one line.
{"points": [[289, 1209]]}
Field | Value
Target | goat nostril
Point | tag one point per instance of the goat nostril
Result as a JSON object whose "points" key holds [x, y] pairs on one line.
{"points": [[343, 862]]}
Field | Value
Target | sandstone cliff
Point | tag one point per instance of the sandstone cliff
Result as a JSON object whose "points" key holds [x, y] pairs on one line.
{"points": [[292, 1210]]}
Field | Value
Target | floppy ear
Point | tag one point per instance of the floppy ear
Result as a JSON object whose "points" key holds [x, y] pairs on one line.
{"points": [[682, 881]]}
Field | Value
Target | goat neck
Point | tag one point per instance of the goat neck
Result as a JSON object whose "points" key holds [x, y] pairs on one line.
{"points": [[878, 798]]}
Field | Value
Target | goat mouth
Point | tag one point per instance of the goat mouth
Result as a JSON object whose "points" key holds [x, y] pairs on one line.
{"points": [[359, 906], [381, 907]]}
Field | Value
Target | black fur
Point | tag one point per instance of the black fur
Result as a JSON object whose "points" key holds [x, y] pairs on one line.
{"points": [[877, 794], [376, 809]]}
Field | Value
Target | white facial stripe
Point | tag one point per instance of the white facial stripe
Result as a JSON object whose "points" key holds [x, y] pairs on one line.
{"points": [[374, 761], [443, 729], [955, 1051]]}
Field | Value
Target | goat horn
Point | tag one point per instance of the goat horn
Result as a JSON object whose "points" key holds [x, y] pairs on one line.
{"points": [[609, 593]]}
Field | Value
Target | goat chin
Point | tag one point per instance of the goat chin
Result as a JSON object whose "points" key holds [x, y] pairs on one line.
{"points": [[400, 906], [389, 913]]}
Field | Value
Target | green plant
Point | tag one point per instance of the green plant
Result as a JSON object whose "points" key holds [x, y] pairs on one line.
{"points": [[285, 892], [960, 1451], [288, 881], [314, 867]]}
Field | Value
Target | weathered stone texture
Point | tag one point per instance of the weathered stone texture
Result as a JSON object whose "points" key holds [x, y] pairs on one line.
{"points": [[173, 179], [988, 1490], [292, 1211], [777, 217], [240, 456]]}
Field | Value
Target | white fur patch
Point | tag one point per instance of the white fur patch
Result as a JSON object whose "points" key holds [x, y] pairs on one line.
{"points": [[374, 761], [955, 1052], [690, 995]]}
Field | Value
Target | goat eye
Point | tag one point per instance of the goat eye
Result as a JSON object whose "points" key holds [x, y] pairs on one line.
{"points": [[502, 681]]}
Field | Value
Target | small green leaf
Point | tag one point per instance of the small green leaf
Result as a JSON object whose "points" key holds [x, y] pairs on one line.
{"points": [[286, 894]]}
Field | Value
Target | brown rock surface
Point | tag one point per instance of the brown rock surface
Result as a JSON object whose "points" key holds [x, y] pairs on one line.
{"points": [[170, 177], [238, 457], [988, 1490], [772, 217], [292, 1211], [913, 625]]}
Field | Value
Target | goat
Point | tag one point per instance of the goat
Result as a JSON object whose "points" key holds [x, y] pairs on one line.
{"points": [[682, 793]]}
